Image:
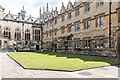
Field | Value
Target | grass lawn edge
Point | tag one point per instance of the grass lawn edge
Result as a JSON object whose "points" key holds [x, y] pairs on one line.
{"points": [[57, 69]]}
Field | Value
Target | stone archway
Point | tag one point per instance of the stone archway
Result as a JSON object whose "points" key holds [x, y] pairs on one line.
{"points": [[118, 44]]}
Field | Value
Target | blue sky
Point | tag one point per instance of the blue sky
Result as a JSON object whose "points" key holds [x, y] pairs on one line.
{"points": [[31, 6]]}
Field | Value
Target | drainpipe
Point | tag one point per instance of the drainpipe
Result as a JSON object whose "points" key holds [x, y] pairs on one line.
{"points": [[110, 3]]}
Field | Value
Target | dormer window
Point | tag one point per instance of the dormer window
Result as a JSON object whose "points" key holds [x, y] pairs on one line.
{"points": [[87, 7], [100, 3], [77, 11], [63, 18], [70, 15]]}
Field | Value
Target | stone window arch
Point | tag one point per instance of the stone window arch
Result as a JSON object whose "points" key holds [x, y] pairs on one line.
{"points": [[7, 32], [27, 34], [17, 34]]}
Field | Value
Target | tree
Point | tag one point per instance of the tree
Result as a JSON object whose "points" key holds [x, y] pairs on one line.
{"points": [[31, 44], [26, 43], [66, 39]]}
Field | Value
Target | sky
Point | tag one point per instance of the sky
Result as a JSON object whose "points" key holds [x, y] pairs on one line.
{"points": [[32, 7]]}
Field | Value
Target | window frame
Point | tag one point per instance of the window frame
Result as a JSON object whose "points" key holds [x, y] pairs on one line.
{"points": [[17, 34], [69, 28], [47, 34], [87, 24], [99, 21], [77, 11], [63, 18], [69, 15], [100, 3], [7, 33], [27, 35], [87, 7], [77, 26], [62, 31], [36, 35], [55, 32], [50, 33]]}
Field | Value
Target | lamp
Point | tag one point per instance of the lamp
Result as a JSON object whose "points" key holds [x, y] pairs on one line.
{"points": [[23, 13]]}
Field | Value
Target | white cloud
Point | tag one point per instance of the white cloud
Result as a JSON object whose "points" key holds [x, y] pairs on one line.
{"points": [[31, 6]]}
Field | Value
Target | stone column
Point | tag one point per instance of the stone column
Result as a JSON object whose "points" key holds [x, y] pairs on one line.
{"points": [[118, 45], [118, 36]]}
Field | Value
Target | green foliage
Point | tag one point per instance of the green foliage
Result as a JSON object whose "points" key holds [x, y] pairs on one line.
{"points": [[26, 43], [14, 44], [70, 37], [52, 44], [20, 43], [79, 49], [65, 39], [31, 44]]}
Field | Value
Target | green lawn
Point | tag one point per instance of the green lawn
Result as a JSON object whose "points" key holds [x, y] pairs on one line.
{"points": [[58, 61]]}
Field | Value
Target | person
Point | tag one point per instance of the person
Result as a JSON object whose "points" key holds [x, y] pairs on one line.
{"points": [[15, 50]]}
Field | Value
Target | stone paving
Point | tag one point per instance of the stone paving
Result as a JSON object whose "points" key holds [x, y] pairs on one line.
{"points": [[11, 69]]}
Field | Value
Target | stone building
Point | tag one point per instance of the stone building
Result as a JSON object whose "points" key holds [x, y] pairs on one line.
{"points": [[87, 21], [19, 33]]}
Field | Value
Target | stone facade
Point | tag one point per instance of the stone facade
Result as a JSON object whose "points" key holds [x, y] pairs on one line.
{"points": [[87, 21], [18, 33]]}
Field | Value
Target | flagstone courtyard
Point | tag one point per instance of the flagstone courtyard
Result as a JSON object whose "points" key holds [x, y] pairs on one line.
{"points": [[10, 69]]}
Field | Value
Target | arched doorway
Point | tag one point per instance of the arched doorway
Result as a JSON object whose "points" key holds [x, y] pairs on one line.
{"points": [[37, 47], [55, 47]]}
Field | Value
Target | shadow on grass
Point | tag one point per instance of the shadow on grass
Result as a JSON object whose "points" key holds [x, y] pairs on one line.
{"points": [[84, 58]]}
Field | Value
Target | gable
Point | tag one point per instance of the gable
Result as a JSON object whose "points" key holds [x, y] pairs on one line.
{"points": [[9, 16]]}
